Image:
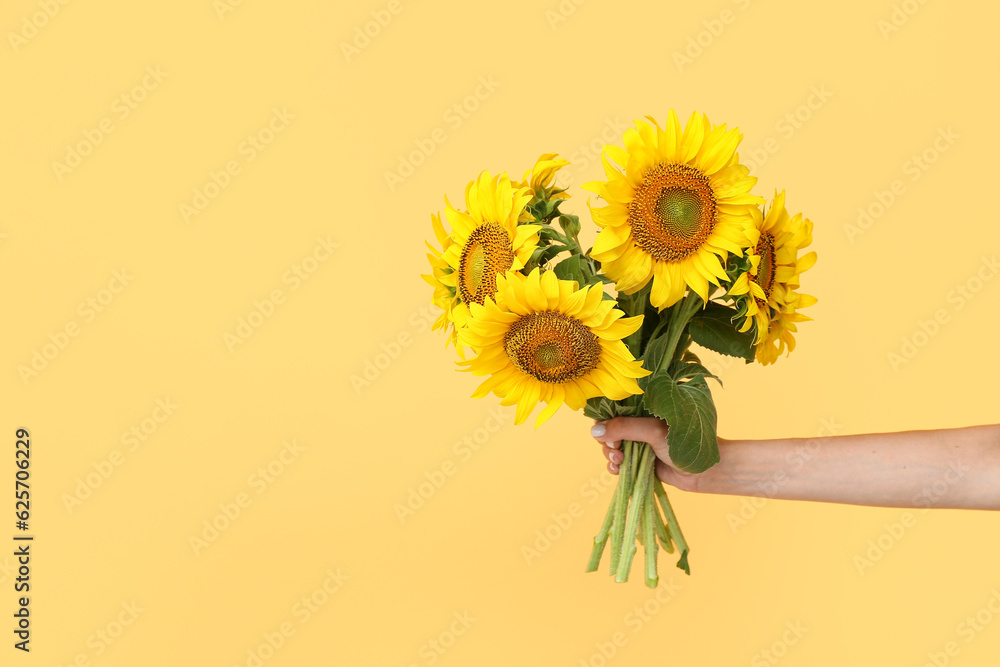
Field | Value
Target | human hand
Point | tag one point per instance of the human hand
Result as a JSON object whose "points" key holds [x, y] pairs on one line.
{"points": [[611, 432]]}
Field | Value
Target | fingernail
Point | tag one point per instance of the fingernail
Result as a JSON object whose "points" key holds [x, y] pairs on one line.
{"points": [[597, 430], [616, 457], [614, 467], [613, 444]]}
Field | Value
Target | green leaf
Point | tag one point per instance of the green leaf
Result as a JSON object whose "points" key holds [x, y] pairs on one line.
{"points": [[598, 408], [690, 413], [629, 409], [570, 224], [737, 265], [569, 269], [713, 328], [535, 256], [689, 370], [602, 407], [601, 278], [653, 357], [683, 562], [550, 233], [549, 253], [544, 210]]}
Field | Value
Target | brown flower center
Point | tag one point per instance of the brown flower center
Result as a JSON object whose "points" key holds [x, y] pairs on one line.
{"points": [[767, 267], [488, 252], [674, 211], [552, 347]]}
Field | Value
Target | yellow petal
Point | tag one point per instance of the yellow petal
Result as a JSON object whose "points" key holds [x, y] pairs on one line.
{"points": [[528, 401], [648, 135], [619, 190], [806, 262], [550, 288], [462, 223], [694, 134], [553, 405], [617, 153], [595, 294], [575, 397], [523, 233], [533, 292], [660, 293], [623, 328], [487, 202], [503, 199], [671, 140], [716, 154], [805, 300], [609, 242]]}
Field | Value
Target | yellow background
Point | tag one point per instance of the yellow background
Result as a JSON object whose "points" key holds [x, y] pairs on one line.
{"points": [[562, 75]]}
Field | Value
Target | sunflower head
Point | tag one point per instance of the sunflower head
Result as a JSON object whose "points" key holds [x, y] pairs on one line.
{"points": [[485, 241], [677, 204], [441, 279], [543, 339], [540, 178], [766, 293]]}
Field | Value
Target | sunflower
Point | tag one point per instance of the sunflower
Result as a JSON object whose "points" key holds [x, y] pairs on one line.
{"points": [[545, 340], [439, 278], [540, 177], [682, 204], [766, 295], [486, 241]]}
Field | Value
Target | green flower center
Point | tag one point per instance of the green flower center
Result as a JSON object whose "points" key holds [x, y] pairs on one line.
{"points": [[477, 264], [548, 356], [674, 211], [680, 212]]}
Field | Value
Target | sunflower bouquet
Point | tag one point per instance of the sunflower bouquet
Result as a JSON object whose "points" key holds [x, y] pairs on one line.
{"points": [[691, 256]]}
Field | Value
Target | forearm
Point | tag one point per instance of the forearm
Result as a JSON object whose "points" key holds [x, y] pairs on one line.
{"points": [[948, 468]]}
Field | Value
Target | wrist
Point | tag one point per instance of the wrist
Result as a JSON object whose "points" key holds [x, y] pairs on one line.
{"points": [[729, 476]]}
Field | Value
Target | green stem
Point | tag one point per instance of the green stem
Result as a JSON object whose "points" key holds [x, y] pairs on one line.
{"points": [[650, 517], [638, 495], [662, 533], [621, 504], [633, 305], [602, 537], [628, 472], [586, 268], [675, 529], [664, 321], [678, 320]]}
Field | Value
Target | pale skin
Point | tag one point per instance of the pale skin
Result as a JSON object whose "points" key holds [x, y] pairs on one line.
{"points": [[947, 468]]}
